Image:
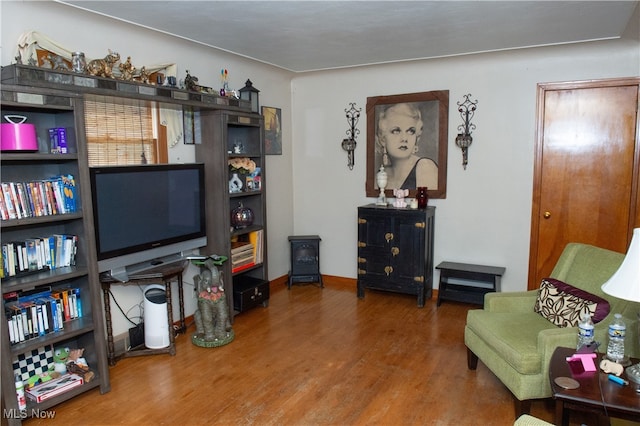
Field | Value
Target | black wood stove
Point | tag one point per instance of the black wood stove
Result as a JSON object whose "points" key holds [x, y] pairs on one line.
{"points": [[305, 260]]}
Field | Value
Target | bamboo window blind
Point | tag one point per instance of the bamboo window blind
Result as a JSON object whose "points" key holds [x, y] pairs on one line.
{"points": [[119, 131]]}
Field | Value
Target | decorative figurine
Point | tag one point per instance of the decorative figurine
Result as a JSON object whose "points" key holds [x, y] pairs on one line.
{"points": [[54, 62], [78, 62], [400, 194], [78, 365], [103, 67], [191, 83], [60, 358], [213, 327], [144, 75], [127, 69]]}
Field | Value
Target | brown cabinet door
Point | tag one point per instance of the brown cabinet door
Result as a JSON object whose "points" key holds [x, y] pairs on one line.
{"points": [[585, 177]]}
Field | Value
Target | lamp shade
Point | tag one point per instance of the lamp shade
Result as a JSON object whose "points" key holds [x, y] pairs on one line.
{"points": [[625, 282]]}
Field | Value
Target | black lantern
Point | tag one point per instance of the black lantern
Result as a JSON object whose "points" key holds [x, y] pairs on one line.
{"points": [[250, 93]]}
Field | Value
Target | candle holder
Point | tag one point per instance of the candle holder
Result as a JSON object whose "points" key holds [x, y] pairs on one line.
{"points": [[466, 109], [349, 144]]}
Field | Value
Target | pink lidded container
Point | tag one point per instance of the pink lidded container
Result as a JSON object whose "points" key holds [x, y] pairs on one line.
{"points": [[16, 135]]}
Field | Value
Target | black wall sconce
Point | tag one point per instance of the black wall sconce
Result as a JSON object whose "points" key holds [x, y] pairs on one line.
{"points": [[349, 144], [250, 93], [466, 109]]}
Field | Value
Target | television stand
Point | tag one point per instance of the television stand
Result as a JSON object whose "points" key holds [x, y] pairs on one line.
{"points": [[165, 273], [141, 270]]}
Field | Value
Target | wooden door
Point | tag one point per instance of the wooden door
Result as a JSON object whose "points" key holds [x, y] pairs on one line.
{"points": [[586, 170]]}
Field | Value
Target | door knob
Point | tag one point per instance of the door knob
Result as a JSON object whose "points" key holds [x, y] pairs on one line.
{"points": [[547, 215]]}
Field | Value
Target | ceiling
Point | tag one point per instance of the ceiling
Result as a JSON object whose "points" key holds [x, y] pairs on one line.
{"points": [[304, 36]]}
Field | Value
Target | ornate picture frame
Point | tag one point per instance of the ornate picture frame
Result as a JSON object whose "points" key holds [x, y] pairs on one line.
{"points": [[417, 142]]}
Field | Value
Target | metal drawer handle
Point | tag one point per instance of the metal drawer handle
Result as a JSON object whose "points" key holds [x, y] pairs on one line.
{"points": [[388, 236]]}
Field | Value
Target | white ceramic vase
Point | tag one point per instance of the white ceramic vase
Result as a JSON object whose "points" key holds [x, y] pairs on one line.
{"points": [[235, 183]]}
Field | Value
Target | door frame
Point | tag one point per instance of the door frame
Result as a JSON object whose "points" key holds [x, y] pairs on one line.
{"points": [[634, 214]]}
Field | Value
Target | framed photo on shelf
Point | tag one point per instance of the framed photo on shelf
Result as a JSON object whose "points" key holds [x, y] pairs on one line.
{"points": [[272, 130], [407, 134]]}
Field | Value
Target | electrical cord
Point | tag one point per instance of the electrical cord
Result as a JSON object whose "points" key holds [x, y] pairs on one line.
{"points": [[604, 404], [120, 308]]}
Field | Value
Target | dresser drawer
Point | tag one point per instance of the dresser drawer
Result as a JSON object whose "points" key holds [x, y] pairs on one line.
{"points": [[249, 292]]}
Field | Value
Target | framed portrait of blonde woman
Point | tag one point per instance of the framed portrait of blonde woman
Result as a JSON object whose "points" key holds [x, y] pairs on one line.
{"points": [[407, 136]]}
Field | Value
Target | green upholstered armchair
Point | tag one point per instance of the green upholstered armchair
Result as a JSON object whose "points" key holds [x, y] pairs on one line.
{"points": [[516, 343]]}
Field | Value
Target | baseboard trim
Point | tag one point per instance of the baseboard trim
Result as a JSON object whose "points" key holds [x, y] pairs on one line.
{"points": [[334, 281]]}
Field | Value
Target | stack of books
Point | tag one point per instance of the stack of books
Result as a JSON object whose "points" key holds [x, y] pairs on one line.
{"points": [[242, 256]]}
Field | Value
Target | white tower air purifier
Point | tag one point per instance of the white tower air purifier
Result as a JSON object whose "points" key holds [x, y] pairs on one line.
{"points": [[156, 325]]}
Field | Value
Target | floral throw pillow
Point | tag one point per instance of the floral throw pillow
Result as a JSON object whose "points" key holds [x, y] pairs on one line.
{"points": [[564, 305]]}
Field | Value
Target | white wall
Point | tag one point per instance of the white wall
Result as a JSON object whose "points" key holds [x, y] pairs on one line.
{"points": [[486, 215], [94, 34]]}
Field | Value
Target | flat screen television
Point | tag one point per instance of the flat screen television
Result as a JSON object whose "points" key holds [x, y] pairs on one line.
{"points": [[146, 215]]}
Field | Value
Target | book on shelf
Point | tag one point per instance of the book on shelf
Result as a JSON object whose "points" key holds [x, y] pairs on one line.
{"points": [[53, 196], [54, 387], [241, 268], [38, 253], [256, 238], [242, 252], [247, 253], [240, 246], [243, 261], [37, 312]]}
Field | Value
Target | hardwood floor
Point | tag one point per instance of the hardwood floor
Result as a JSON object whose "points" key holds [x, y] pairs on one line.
{"points": [[313, 357]]}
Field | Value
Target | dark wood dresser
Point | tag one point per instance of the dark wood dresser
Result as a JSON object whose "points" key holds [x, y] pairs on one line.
{"points": [[395, 250]]}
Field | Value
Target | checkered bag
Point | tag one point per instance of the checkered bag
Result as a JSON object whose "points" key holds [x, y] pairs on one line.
{"points": [[35, 362]]}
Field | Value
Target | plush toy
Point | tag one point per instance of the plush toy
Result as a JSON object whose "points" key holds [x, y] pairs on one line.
{"points": [[78, 365], [60, 358], [37, 379]]}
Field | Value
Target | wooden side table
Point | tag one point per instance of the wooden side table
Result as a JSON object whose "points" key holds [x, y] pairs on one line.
{"points": [[164, 273], [596, 393], [464, 282]]}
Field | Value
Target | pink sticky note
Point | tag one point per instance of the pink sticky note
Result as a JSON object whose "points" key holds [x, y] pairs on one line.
{"points": [[587, 361]]}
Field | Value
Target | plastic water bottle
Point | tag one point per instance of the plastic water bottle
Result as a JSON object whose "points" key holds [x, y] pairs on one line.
{"points": [[585, 331], [22, 401], [617, 331]]}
